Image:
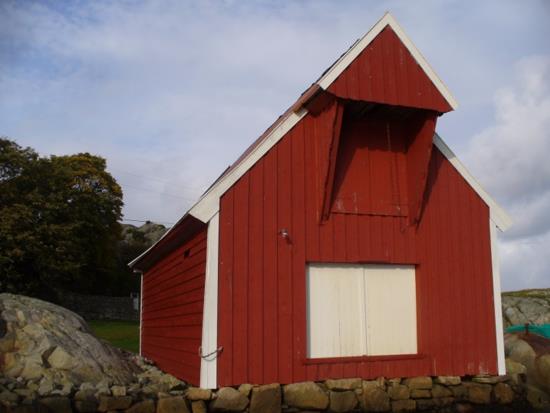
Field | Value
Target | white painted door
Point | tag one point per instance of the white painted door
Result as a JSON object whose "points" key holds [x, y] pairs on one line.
{"points": [[336, 311], [391, 309]]}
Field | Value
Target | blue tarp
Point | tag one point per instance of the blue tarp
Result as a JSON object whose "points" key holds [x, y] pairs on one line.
{"points": [[542, 329]]}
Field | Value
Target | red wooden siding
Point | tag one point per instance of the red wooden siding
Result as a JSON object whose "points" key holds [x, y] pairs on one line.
{"points": [[386, 72], [262, 279], [173, 297]]}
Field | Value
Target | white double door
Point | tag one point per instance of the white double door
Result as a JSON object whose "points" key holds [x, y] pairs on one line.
{"points": [[361, 310]]}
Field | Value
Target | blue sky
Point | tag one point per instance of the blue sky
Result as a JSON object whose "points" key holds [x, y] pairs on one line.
{"points": [[171, 92]]}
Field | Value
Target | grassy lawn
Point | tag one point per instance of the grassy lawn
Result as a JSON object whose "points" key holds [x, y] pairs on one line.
{"points": [[122, 334]]}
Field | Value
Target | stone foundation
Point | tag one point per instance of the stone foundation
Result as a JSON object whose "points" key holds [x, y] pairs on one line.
{"points": [[424, 394]]}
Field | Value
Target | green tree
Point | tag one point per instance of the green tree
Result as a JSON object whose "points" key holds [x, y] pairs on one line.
{"points": [[58, 222]]}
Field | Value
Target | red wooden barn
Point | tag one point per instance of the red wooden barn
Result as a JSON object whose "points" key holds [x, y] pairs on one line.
{"points": [[347, 241]]}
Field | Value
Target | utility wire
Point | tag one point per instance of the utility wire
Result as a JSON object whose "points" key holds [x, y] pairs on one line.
{"points": [[157, 192], [154, 179], [148, 220]]}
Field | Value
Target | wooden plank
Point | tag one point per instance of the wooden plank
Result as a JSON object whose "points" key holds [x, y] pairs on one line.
{"points": [[225, 298], [418, 157], [270, 291], [335, 128], [298, 208], [312, 189], [240, 291], [255, 276], [284, 248]]}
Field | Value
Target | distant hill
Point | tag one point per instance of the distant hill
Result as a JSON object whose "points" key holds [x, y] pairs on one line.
{"points": [[526, 306], [146, 235]]}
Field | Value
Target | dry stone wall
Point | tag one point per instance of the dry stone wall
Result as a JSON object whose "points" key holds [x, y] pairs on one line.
{"points": [[152, 393], [101, 307]]}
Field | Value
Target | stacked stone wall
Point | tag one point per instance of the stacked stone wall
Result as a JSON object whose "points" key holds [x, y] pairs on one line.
{"points": [[153, 394], [100, 307]]}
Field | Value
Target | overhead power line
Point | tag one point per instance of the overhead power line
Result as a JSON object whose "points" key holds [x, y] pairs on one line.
{"points": [[148, 220], [157, 192], [152, 178]]}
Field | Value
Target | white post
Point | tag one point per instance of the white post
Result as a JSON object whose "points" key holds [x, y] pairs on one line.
{"points": [[497, 300], [209, 364]]}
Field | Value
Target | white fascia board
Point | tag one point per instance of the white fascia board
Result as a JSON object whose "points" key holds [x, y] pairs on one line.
{"points": [[387, 20], [209, 204], [499, 329], [208, 372], [497, 214]]}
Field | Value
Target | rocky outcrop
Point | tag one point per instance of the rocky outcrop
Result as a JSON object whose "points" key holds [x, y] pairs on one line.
{"points": [[148, 233], [51, 361], [50, 344], [527, 306]]}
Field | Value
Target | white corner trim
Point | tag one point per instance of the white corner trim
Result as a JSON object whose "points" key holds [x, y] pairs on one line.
{"points": [[498, 215], [209, 343], [499, 329], [209, 204], [387, 20], [141, 313]]}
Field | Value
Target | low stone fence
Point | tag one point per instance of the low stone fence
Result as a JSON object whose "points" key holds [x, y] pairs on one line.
{"points": [[100, 307], [426, 394]]}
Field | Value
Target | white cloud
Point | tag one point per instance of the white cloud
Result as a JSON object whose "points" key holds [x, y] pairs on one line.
{"points": [[511, 159], [171, 92]]}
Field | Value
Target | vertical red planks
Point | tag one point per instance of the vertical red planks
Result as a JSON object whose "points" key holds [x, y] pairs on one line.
{"points": [[299, 326], [225, 285], [255, 275], [270, 291], [172, 300], [284, 258], [240, 280]]}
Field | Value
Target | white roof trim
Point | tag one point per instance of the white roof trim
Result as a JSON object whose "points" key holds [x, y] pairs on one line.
{"points": [[387, 20], [501, 219]]}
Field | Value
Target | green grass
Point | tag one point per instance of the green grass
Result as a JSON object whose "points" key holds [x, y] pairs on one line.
{"points": [[121, 334]]}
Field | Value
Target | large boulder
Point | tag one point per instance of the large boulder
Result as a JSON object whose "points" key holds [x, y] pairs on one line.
{"points": [[307, 396], [43, 341], [229, 400], [530, 355]]}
